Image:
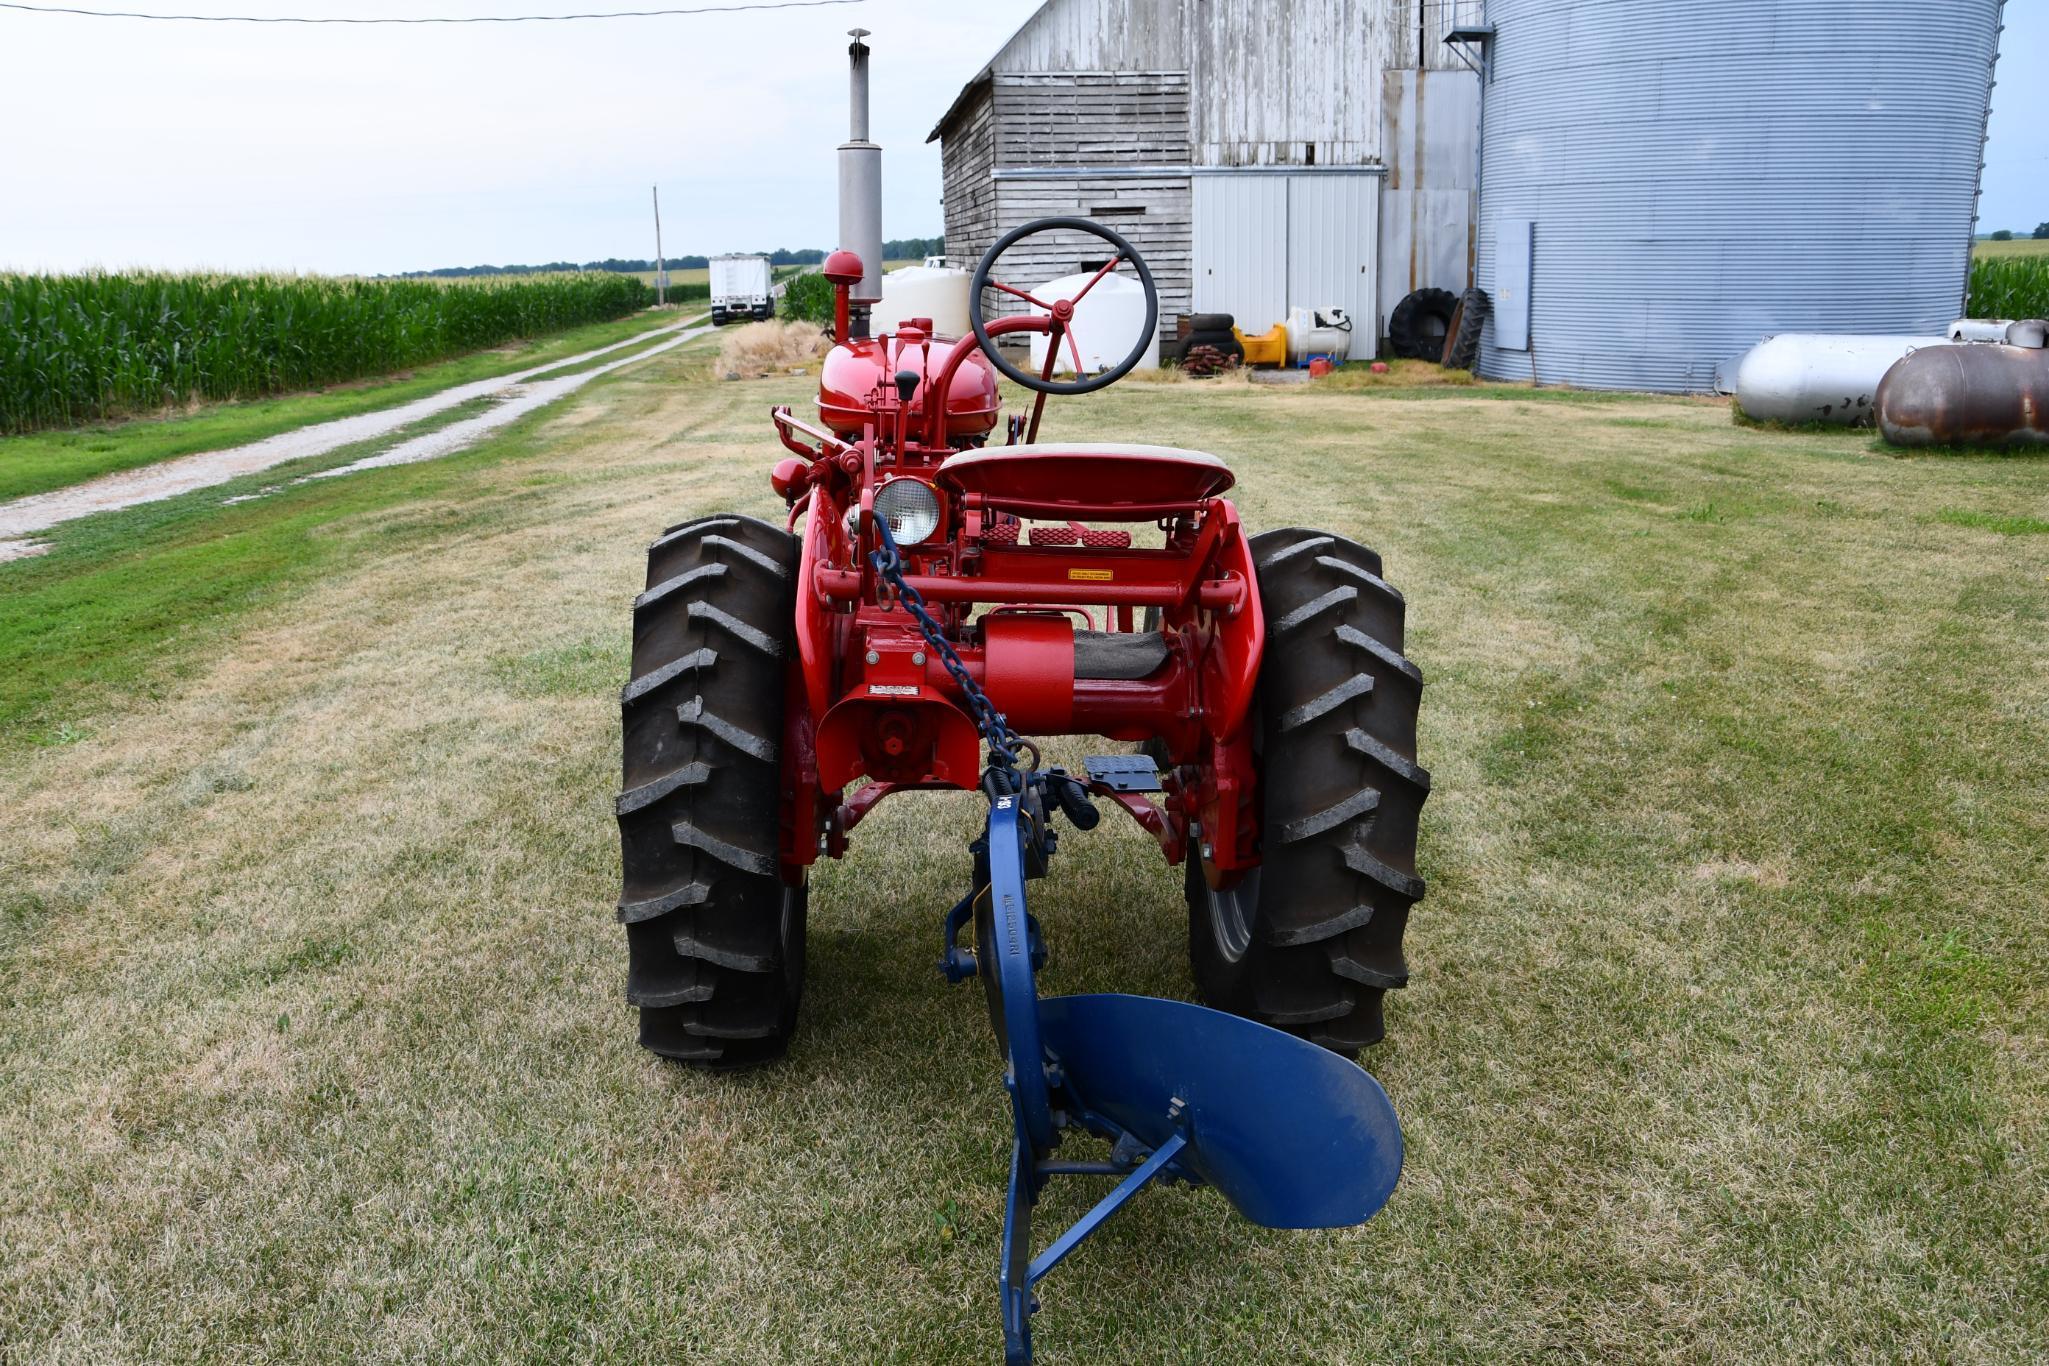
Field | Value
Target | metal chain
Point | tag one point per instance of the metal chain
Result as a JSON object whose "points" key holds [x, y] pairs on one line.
{"points": [[1003, 741]]}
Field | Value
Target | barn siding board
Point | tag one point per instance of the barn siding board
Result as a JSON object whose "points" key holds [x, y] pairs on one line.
{"points": [[1099, 35], [1092, 118], [1160, 232], [1217, 85], [1276, 81], [967, 161]]}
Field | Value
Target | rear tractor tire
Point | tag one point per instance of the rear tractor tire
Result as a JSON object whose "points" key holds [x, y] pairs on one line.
{"points": [[1311, 940], [714, 932], [1462, 343], [1420, 325]]}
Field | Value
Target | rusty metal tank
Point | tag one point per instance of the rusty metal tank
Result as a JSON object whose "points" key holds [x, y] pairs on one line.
{"points": [[1984, 395], [855, 370]]}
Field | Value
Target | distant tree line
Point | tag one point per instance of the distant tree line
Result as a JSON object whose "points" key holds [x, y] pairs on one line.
{"points": [[913, 248], [2040, 234], [613, 264], [897, 249]]}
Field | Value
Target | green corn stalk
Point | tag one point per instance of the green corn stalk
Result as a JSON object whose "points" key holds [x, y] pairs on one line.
{"points": [[79, 348], [2010, 287]]}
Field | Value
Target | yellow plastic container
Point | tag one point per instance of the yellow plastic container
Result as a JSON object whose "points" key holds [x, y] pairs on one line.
{"points": [[1267, 348]]}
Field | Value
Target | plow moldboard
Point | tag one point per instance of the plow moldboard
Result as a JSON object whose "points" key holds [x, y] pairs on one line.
{"points": [[1292, 1135]]}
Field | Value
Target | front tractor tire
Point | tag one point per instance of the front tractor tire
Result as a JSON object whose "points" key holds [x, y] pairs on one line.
{"points": [[714, 931], [1311, 940]]}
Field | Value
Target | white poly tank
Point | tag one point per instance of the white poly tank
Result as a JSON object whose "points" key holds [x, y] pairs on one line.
{"points": [[936, 292], [1107, 323]]}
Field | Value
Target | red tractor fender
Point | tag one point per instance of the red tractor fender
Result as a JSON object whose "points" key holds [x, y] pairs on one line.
{"points": [[1230, 661]]}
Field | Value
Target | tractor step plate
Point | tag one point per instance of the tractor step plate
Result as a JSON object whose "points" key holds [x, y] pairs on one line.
{"points": [[1123, 772]]}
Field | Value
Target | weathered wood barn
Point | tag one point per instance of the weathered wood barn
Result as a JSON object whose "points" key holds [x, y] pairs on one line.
{"points": [[1262, 154]]}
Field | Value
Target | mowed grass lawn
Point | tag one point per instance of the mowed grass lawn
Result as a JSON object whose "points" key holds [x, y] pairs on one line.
{"points": [[1728, 1037]]}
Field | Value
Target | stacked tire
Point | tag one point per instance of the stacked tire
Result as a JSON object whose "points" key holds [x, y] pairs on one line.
{"points": [[1311, 941], [1208, 329], [714, 928]]}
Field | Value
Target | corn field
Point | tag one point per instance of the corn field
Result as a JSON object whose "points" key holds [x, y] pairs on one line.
{"points": [[74, 348], [2010, 287]]}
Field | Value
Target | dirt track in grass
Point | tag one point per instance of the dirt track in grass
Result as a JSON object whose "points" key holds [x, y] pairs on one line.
{"points": [[514, 396], [1728, 1037]]}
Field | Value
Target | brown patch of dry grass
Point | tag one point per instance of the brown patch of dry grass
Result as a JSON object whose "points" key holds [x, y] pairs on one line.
{"points": [[1233, 377], [1401, 374], [769, 348]]}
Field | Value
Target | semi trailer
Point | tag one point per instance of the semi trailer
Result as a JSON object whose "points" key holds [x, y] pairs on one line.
{"points": [[742, 287]]}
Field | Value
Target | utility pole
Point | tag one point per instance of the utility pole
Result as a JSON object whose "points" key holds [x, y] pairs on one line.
{"points": [[661, 267]]}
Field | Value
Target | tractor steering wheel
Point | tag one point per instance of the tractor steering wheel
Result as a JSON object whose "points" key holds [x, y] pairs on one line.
{"points": [[1058, 317]]}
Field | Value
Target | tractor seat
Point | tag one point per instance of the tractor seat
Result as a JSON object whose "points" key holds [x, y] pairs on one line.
{"points": [[1083, 479], [1118, 654]]}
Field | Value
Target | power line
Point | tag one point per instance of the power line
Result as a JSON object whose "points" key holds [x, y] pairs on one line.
{"points": [[428, 19]]}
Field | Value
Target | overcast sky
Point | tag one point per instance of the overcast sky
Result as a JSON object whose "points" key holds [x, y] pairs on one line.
{"points": [[125, 142], [382, 149]]}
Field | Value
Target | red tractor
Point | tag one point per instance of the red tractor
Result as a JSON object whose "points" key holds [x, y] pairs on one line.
{"points": [[932, 589]]}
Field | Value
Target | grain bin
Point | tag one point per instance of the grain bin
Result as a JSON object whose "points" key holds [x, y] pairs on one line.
{"points": [[1664, 183]]}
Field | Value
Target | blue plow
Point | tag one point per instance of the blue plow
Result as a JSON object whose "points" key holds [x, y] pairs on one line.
{"points": [[1291, 1135]]}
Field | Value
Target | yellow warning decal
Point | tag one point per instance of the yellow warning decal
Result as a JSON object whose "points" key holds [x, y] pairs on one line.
{"points": [[1092, 575]]}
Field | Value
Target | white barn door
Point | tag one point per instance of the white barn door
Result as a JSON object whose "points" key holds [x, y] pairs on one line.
{"points": [[1265, 242], [1333, 238], [1241, 248]]}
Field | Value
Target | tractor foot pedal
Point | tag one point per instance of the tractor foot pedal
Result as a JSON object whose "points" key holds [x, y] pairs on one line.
{"points": [[1123, 772]]}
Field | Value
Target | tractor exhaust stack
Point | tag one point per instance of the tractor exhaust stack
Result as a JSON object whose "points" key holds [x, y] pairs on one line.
{"points": [[861, 185]]}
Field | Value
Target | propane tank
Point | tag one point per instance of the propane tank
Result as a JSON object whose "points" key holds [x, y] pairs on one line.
{"points": [[2032, 332], [1817, 376], [1988, 394], [1319, 332]]}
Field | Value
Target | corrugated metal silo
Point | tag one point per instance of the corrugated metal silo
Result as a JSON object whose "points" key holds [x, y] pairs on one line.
{"points": [[1664, 182]]}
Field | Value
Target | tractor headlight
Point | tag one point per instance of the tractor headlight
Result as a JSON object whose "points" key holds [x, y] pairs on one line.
{"points": [[911, 507]]}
